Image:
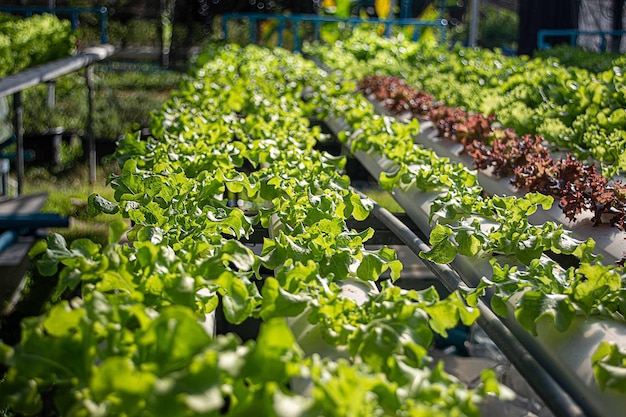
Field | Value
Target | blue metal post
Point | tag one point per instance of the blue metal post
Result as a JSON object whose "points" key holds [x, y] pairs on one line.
{"points": [[104, 37], [296, 35], [253, 29], [281, 29], [405, 8], [416, 33], [225, 26], [317, 21], [387, 29], [74, 20], [442, 39]]}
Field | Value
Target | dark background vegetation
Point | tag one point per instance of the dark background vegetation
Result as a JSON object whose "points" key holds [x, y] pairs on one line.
{"points": [[196, 18]]}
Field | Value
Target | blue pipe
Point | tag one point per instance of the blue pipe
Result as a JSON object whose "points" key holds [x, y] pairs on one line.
{"points": [[32, 221], [573, 36], [7, 238]]}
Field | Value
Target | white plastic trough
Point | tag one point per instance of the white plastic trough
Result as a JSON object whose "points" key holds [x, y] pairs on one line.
{"points": [[564, 355]]}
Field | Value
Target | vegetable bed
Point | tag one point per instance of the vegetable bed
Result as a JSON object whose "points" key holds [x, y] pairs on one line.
{"points": [[579, 109], [490, 239], [132, 330], [138, 341], [26, 42]]}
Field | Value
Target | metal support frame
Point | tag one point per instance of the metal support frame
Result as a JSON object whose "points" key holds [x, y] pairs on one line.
{"points": [[51, 94], [573, 35], [15, 84], [406, 6], [5, 168], [296, 20]]}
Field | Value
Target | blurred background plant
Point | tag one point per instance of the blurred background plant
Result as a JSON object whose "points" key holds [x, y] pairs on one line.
{"points": [[498, 28], [124, 101]]}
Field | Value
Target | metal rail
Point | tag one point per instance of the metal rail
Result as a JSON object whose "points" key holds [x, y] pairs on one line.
{"points": [[15, 84], [73, 12], [573, 35], [32, 221], [294, 22]]}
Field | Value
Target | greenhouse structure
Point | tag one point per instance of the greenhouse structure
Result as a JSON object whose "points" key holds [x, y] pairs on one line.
{"points": [[312, 208]]}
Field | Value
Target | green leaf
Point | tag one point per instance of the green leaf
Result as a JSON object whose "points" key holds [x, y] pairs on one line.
{"points": [[239, 254], [22, 396], [38, 248], [233, 180], [469, 245], [534, 305], [117, 229], [98, 204], [395, 269], [115, 281], [118, 377], [361, 207], [236, 300], [172, 339], [597, 282], [280, 303], [63, 320], [370, 267], [379, 341], [609, 366], [545, 201], [85, 248], [337, 266], [150, 234], [499, 306], [275, 348], [443, 250], [445, 314]]}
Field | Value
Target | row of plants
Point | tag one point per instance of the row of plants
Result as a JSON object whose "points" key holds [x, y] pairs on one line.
{"points": [[569, 106], [577, 186], [136, 341], [573, 56], [25, 42], [466, 223]]}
